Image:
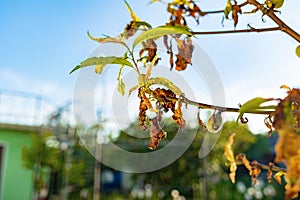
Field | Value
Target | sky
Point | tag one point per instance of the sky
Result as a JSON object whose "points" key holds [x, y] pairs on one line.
{"points": [[41, 41]]}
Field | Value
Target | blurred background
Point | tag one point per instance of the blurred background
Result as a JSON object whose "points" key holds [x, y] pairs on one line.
{"points": [[42, 157]]}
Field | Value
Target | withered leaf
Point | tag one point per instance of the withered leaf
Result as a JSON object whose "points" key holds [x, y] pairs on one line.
{"points": [[255, 172], [200, 122], [143, 108], [270, 172], [185, 51], [268, 123], [253, 168], [166, 98], [245, 161], [151, 47], [235, 10], [130, 29], [195, 12], [177, 116], [229, 154], [156, 134], [278, 175], [169, 51]]}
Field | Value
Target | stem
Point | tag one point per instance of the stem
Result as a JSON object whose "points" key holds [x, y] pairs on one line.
{"points": [[266, 11], [271, 13], [133, 60], [221, 108], [237, 31], [263, 166], [203, 13], [209, 106]]}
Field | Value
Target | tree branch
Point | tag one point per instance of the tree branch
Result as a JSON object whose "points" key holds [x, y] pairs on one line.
{"points": [[221, 108], [266, 11], [236, 31], [203, 13], [271, 13], [263, 166], [214, 107]]}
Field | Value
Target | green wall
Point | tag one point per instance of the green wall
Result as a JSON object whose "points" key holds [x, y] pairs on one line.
{"points": [[16, 180]]}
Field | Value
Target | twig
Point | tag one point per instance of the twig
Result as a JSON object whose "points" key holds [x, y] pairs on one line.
{"points": [[263, 166], [203, 13], [221, 108], [266, 11], [271, 13], [237, 31]]}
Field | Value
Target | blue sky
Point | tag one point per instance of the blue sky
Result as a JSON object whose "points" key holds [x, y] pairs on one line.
{"points": [[41, 41]]}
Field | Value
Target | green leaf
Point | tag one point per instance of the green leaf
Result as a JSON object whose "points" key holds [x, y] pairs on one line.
{"points": [[298, 51], [143, 23], [165, 82], [106, 39], [99, 68], [150, 67], [134, 17], [101, 62], [277, 3], [254, 105], [121, 87], [160, 31], [227, 9], [121, 84]]}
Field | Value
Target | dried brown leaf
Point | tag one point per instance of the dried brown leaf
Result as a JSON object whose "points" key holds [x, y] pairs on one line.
{"points": [[200, 122], [156, 134], [142, 109], [151, 47], [270, 172], [255, 172], [177, 116], [236, 9], [245, 161], [185, 51]]}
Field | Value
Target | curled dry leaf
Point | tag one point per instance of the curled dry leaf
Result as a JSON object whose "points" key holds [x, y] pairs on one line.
{"points": [[278, 176], [144, 102], [270, 172], [130, 29], [166, 98], [169, 51], [177, 116], [185, 51], [151, 47], [229, 154], [236, 9], [287, 123], [268, 122], [156, 133], [180, 9], [253, 168], [200, 122], [255, 171]]}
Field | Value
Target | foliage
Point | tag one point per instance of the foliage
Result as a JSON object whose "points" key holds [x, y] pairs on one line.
{"points": [[47, 159], [38, 152], [189, 164], [159, 95]]}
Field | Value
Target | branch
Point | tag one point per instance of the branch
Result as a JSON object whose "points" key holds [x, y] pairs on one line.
{"points": [[220, 108], [237, 31], [271, 13], [263, 166], [203, 13]]}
